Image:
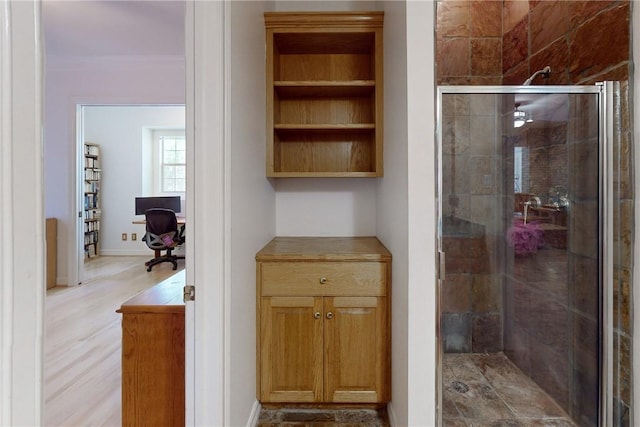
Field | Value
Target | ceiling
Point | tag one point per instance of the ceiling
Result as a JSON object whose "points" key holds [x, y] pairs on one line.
{"points": [[110, 28], [94, 28]]}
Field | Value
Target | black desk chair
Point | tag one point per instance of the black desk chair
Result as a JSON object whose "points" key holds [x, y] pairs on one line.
{"points": [[163, 234]]}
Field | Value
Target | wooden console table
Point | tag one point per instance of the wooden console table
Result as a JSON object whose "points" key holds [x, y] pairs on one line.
{"points": [[153, 356]]}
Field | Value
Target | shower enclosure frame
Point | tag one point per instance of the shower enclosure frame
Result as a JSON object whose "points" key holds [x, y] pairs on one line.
{"points": [[605, 92]]}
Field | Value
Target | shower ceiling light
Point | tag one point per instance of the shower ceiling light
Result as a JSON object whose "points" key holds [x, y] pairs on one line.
{"points": [[518, 118]]}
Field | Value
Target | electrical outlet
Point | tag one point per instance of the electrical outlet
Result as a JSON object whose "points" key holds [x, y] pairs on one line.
{"points": [[134, 236], [124, 236]]}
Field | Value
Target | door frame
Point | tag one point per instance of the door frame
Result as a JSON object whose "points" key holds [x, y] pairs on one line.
{"points": [[22, 254], [207, 346], [76, 263]]}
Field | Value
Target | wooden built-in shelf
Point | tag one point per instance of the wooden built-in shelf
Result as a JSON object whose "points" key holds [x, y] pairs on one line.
{"points": [[321, 89], [324, 94], [325, 127]]}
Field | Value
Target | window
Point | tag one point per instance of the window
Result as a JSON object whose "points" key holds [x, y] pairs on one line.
{"points": [[172, 165], [517, 169]]}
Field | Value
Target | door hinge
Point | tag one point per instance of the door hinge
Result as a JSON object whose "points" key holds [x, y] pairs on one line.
{"points": [[189, 293]]}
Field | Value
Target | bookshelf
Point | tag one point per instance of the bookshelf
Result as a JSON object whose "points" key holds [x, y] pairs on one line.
{"points": [[324, 94], [92, 207]]}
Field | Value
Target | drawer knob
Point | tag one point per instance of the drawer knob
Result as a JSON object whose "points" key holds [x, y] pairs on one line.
{"points": [[317, 315], [329, 315], [323, 280]]}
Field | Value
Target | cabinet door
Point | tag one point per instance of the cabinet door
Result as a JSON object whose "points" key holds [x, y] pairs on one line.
{"points": [[291, 349], [356, 350]]}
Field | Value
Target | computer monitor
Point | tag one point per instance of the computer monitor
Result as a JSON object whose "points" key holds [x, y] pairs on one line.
{"points": [[144, 203]]}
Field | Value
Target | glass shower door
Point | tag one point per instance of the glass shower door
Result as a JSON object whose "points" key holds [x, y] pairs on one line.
{"points": [[522, 218]]}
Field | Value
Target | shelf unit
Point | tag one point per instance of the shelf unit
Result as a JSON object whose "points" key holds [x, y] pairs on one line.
{"points": [[324, 94], [92, 207]]}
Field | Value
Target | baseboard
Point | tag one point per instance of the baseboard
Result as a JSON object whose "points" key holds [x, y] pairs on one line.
{"points": [[136, 252], [392, 415], [255, 414]]}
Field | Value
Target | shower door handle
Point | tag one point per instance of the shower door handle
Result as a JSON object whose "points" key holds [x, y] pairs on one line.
{"points": [[441, 265]]}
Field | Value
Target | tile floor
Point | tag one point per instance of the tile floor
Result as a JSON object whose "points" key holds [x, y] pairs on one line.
{"points": [[480, 390], [488, 390], [323, 418]]}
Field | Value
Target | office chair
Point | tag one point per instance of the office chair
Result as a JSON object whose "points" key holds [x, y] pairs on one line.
{"points": [[162, 234]]}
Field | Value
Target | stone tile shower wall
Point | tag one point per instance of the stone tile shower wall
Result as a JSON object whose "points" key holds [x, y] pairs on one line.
{"points": [[472, 299], [551, 296], [583, 42], [623, 235], [578, 39], [469, 42]]}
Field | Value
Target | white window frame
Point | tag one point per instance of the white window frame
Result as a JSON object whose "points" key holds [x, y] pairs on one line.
{"points": [[157, 134]]}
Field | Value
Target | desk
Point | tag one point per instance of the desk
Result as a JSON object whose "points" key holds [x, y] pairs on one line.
{"points": [[153, 356], [181, 220]]}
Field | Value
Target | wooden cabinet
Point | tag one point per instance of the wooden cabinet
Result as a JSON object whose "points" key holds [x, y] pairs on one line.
{"points": [[92, 210], [323, 320], [153, 356], [324, 94]]}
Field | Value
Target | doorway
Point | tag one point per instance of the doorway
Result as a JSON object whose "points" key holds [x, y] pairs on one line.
{"points": [[525, 295], [130, 142]]}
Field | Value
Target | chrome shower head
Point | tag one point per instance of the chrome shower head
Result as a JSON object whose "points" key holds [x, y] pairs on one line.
{"points": [[546, 71]]}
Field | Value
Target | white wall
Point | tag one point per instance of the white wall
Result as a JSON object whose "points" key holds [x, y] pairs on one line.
{"points": [[422, 307], [120, 131], [326, 207], [252, 199], [392, 205], [72, 81]]}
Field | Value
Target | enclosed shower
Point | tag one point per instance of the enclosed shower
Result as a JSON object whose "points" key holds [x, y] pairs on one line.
{"points": [[524, 240]]}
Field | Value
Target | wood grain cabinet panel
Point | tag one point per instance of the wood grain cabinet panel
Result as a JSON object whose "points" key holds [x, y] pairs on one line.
{"points": [[324, 278], [153, 356], [323, 325], [291, 334], [355, 344]]}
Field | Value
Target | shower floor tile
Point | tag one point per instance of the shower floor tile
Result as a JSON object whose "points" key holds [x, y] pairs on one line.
{"points": [[488, 390]]}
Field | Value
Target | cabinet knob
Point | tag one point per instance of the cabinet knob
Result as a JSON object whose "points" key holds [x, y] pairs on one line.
{"points": [[323, 280], [317, 315], [329, 315]]}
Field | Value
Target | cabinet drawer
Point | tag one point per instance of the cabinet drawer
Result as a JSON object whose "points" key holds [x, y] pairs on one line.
{"points": [[324, 278]]}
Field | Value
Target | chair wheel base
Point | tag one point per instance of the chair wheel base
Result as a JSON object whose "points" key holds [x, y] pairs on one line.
{"points": [[167, 258]]}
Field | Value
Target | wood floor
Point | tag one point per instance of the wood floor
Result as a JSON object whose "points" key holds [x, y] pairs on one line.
{"points": [[82, 373]]}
